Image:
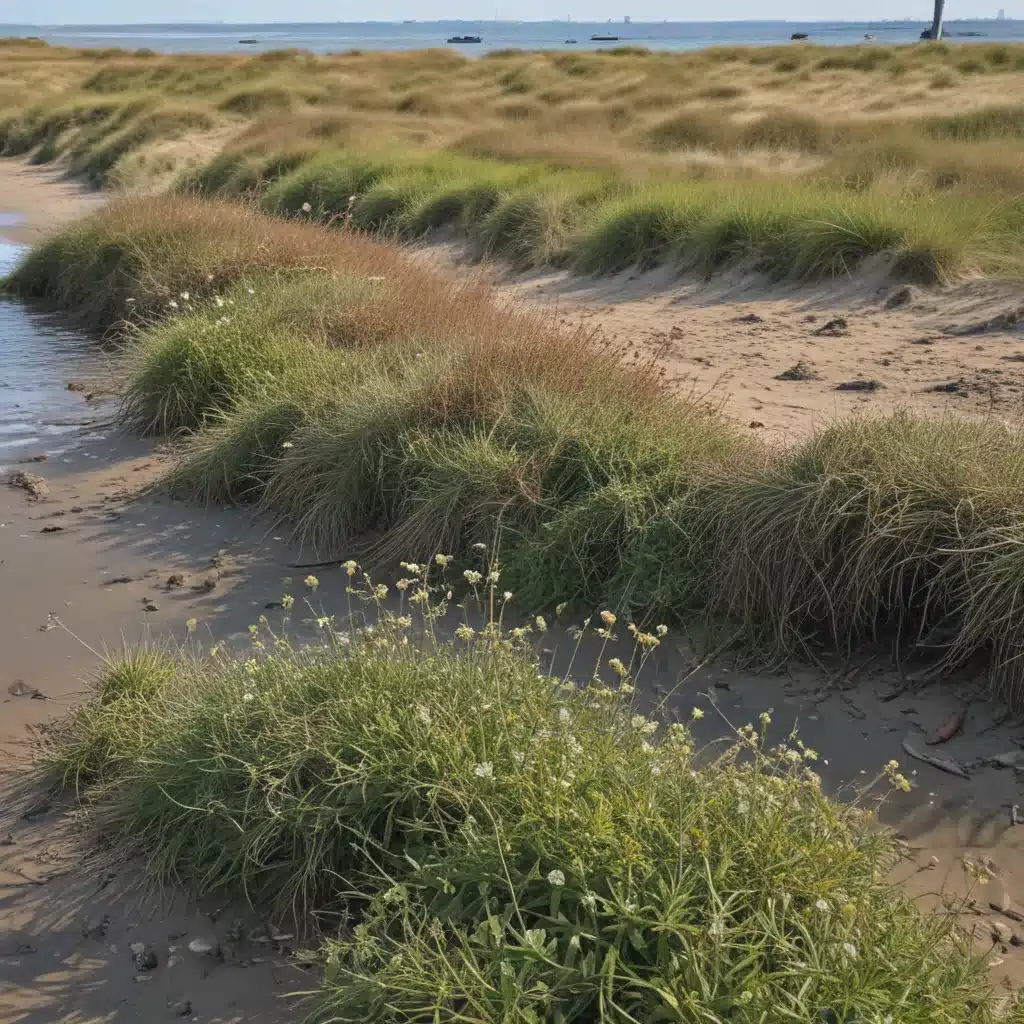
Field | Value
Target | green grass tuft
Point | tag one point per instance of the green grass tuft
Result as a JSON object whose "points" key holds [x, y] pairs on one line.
{"points": [[499, 844]]}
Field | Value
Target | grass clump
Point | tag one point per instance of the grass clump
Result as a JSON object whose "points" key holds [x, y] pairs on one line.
{"points": [[900, 525], [485, 841], [393, 409], [425, 142]]}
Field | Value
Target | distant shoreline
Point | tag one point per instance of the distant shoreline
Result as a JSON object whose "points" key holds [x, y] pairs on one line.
{"points": [[334, 37]]}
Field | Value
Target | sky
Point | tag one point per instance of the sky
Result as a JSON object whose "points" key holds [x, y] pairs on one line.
{"points": [[43, 12]]}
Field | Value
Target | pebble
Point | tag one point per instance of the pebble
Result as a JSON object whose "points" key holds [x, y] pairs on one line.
{"points": [[145, 959], [201, 946]]}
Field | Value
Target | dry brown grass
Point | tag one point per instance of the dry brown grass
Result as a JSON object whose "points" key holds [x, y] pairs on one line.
{"points": [[140, 255], [638, 112], [800, 160]]}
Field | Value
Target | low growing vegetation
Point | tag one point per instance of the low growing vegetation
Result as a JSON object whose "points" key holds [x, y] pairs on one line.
{"points": [[594, 161], [486, 842]]}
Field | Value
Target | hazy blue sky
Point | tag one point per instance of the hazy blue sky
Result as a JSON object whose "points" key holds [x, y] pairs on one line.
{"points": [[41, 12]]}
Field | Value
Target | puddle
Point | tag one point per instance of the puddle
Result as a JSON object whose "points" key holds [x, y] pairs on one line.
{"points": [[9, 255], [39, 357], [9, 220]]}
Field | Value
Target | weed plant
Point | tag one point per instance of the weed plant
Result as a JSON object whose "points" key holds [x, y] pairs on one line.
{"points": [[484, 841]]}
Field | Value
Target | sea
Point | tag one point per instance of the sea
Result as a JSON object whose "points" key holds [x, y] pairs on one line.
{"points": [[501, 35]]}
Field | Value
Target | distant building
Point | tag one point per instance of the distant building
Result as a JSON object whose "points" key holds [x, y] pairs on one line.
{"points": [[626, 20], [1001, 16]]}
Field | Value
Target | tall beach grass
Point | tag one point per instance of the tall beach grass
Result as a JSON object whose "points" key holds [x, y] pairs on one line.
{"points": [[800, 160], [362, 399]]}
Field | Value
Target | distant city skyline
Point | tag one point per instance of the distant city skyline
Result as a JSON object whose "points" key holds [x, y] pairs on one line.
{"points": [[123, 12]]}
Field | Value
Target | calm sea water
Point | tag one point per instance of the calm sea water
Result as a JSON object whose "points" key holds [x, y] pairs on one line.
{"points": [[552, 35]]}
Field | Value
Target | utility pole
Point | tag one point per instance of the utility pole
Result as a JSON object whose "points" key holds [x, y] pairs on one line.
{"points": [[935, 32]]}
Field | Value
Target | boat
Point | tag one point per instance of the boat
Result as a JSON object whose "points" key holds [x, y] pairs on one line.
{"points": [[798, 35], [868, 35], [604, 39], [570, 42], [465, 39], [248, 42]]}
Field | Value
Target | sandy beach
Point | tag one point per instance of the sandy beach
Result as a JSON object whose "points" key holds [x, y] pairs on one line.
{"points": [[90, 566], [786, 360]]}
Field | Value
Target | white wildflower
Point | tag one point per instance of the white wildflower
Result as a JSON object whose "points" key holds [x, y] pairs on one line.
{"points": [[556, 878], [306, 208], [823, 906], [485, 770]]}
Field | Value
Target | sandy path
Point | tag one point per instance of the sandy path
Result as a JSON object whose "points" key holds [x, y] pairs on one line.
{"points": [[40, 199], [728, 341], [56, 965]]}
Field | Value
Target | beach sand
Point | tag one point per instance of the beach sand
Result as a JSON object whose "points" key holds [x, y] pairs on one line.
{"points": [[71, 595], [41, 199], [785, 359]]}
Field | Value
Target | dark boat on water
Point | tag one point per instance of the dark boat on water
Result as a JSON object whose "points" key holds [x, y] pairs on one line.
{"points": [[249, 42], [604, 39], [465, 39]]}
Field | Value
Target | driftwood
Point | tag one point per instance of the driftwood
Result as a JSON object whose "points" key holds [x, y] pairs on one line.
{"points": [[944, 764]]}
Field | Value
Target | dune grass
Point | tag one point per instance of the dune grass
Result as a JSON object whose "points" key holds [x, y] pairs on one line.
{"points": [[481, 841], [361, 399], [803, 160]]}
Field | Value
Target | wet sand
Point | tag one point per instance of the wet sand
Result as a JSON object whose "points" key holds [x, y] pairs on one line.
{"points": [[35, 200], [70, 595]]}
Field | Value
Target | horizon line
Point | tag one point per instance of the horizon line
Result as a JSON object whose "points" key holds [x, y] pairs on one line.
{"points": [[499, 21]]}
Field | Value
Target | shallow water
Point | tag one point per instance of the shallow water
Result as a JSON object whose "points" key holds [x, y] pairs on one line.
{"points": [[39, 357]]}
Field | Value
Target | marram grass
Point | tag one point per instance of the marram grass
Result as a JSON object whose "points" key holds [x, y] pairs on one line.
{"points": [[485, 842], [350, 394], [803, 161]]}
